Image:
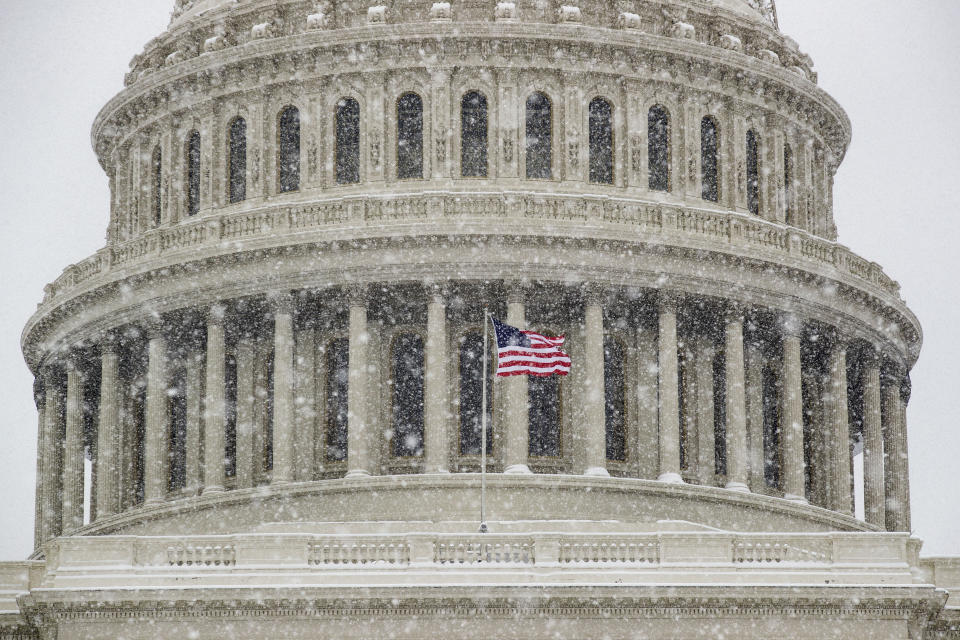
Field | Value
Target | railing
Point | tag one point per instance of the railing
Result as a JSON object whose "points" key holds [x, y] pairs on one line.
{"points": [[464, 551], [213, 555], [779, 551], [674, 224], [610, 552], [333, 553]]}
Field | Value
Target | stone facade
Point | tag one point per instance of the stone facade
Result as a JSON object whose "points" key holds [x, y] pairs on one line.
{"points": [[273, 364]]}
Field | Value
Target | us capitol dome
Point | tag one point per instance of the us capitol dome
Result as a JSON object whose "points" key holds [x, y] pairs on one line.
{"points": [[273, 370]]}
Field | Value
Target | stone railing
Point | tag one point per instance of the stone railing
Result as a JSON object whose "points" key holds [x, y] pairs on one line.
{"points": [[277, 226], [81, 557]]}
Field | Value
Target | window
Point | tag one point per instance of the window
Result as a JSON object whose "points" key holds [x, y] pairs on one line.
{"points": [[601, 141], [709, 169], [237, 160], [409, 136], [230, 417], [156, 163], [658, 148], [347, 148], [539, 129], [288, 153], [753, 174], [193, 173], [471, 389], [407, 366], [788, 181], [614, 394], [337, 385], [473, 135], [177, 430], [544, 416]]}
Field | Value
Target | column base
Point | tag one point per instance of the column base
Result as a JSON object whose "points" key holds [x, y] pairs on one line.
{"points": [[357, 473], [518, 470], [149, 502], [795, 498], [737, 486], [671, 477], [438, 471], [212, 489], [597, 472]]}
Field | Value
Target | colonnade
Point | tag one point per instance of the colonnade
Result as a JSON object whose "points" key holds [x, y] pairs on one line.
{"points": [[752, 400]]}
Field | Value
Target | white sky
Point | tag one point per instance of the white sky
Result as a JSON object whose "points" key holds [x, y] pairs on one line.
{"points": [[893, 65]]}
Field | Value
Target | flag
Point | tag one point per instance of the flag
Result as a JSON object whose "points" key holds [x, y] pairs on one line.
{"points": [[522, 352]]}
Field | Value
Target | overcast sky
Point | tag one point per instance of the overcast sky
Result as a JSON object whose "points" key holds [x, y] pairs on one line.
{"points": [[893, 65]]}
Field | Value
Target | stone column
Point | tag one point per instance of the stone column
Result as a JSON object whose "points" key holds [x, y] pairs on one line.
{"points": [[703, 354], [52, 453], [73, 452], [839, 427], [108, 430], [793, 477], [754, 396], [214, 405], [246, 399], [436, 387], [669, 404], [283, 409], [894, 445], [595, 443], [902, 491], [359, 461], [157, 427], [38, 400], [736, 409], [516, 437], [872, 443]]}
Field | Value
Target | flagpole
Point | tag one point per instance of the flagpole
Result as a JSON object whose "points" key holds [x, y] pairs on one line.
{"points": [[483, 430]]}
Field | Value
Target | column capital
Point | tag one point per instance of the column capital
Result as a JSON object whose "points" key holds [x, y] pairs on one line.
{"points": [[593, 293], [892, 368], [153, 326], [282, 302], [837, 338], [791, 325], [437, 292], [870, 357], [516, 291], [216, 315], [358, 295], [668, 300], [109, 342], [734, 312]]}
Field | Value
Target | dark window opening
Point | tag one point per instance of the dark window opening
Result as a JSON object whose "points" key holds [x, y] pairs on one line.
{"points": [[408, 396], [288, 155], [658, 148], [771, 428], [539, 129], [471, 390], [614, 393], [193, 174], [601, 141], [238, 160], [157, 167], [753, 174], [709, 168], [230, 418], [788, 181], [720, 413], [177, 425], [338, 377], [544, 417], [409, 136], [473, 135], [347, 147]]}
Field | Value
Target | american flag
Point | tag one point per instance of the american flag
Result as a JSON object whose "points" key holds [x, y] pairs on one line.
{"points": [[522, 352]]}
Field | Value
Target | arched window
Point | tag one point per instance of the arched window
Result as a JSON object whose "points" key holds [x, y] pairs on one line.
{"points": [[407, 378], [473, 135], [615, 403], [539, 130], [753, 173], [347, 148], [601, 141], [156, 163], [471, 398], [709, 168], [337, 386], [409, 136], [237, 160], [658, 148], [288, 150], [193, 173], [788, 181]]}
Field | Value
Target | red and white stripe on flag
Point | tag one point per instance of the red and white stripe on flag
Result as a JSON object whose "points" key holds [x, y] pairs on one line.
{"points": [[522, 352]]}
